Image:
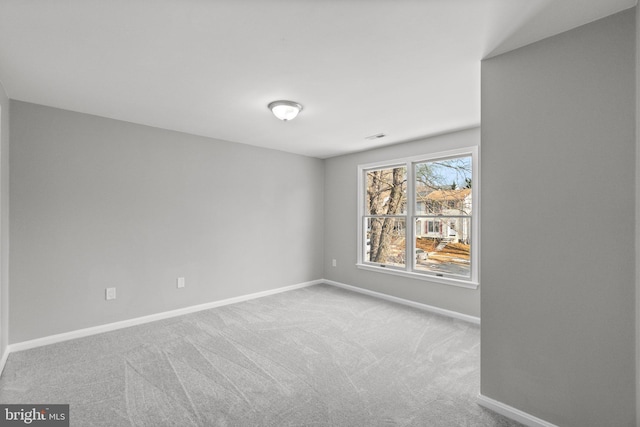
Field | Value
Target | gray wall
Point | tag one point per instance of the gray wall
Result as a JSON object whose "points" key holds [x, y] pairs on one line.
{"points": [[558, 220], [4, 221], [341, 219], [637, 230], [99, 203]]}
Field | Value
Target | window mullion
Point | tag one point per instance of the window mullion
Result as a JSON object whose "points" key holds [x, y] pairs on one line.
{"points": [[410, 221]]}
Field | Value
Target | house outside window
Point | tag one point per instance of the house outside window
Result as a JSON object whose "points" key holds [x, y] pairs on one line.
{"points": [[418, 217]]}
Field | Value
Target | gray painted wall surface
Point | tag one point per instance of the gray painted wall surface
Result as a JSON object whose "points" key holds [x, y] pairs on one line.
{"points": [[341, 227], [99, 203], [637, 229], [557, 225], [4, 221]]}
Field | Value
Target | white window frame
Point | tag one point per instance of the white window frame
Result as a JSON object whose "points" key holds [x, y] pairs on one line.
{"points": [[408, 270]]}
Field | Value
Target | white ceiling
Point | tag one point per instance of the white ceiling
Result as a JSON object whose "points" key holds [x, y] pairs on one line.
{"points": [[406, 68]]}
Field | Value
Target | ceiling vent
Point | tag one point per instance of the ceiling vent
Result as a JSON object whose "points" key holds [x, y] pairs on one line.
{"points": [[378, 136]]}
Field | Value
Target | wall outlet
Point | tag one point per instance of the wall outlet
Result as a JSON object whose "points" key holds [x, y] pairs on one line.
{"points": [[334, 263], [181, 282], [110, 293]]}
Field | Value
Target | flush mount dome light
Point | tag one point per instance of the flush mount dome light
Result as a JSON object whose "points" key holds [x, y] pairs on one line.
{"points": [[285, 110]]}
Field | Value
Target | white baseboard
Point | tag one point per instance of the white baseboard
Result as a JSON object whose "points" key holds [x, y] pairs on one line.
{"points": [[425, 307], [80, 333], [511, 412]]}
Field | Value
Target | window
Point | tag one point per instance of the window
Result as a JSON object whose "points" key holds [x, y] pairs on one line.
{"points": [[418, 217]]}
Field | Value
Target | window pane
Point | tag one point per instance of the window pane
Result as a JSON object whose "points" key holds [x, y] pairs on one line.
{"points": [[443, 245], [385, 241], [386, 191], [444, 187]]}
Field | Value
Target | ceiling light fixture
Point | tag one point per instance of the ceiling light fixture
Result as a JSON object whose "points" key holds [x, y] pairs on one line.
{"points": [[285, 110]]}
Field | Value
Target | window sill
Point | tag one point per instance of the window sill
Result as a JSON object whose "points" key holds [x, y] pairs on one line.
{"points": [[429, 278]]}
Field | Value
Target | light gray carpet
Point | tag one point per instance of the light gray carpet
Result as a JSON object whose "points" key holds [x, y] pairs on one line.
{"points": [[317, 356]]}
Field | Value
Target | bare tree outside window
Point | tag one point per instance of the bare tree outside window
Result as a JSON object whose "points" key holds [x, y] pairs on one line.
{"points": [[386, 193]]}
